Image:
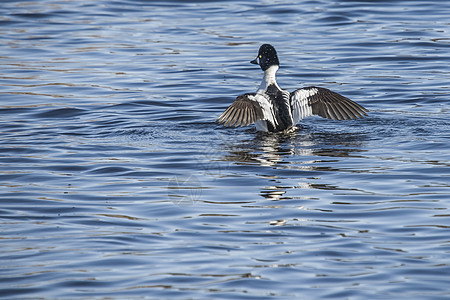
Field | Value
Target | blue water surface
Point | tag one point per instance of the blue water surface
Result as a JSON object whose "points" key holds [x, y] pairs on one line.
{"points": [[116, 183]]}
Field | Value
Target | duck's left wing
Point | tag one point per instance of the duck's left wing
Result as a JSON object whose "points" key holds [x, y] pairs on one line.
{"points": [[245, 110], [325, 103]]}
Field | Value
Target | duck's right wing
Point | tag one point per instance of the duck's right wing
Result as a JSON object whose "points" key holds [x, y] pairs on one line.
{"points": [[247, 109]]}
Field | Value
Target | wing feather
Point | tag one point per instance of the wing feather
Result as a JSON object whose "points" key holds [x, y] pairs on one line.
{"points": [[245, 110], [325, 103], [342, 114], [239, 114]]}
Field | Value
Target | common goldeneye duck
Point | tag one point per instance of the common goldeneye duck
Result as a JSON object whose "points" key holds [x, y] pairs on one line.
{"points": [[274, 110]]}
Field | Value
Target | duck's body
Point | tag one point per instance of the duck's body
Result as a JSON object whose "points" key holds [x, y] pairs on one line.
{"points": [[274, 110]]}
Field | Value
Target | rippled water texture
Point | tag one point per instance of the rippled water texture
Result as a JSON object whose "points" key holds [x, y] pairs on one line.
{"points": [[116, 183]]}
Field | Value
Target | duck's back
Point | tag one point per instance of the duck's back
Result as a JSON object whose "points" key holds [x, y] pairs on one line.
{"points": [[280, 101]]}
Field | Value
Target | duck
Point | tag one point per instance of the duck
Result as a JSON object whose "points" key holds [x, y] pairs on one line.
{"points": [[272, 109]]}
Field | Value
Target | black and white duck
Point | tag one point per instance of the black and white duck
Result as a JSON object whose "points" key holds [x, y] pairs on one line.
{"points": [[273, 109]]}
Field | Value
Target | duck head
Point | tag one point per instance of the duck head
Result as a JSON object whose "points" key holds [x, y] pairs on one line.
{"points": [[267, 57]]}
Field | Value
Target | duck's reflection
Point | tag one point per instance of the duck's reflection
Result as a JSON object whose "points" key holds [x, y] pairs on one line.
{"points": [[272, 149], [304, 152]]}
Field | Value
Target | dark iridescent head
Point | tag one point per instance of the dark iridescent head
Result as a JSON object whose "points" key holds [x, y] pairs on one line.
{"points": [[267, 57]]}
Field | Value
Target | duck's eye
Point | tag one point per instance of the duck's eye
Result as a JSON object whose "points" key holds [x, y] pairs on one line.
{"points": [[260, 56]]}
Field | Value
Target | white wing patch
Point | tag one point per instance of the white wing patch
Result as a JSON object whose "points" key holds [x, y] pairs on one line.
{"points": [[301, 107], [266, 107]]}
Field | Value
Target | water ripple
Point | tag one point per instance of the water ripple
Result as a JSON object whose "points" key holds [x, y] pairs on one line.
{"points": [[116, 181]]}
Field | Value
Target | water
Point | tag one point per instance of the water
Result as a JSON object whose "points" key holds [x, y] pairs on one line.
{"points": [[116, 182]]}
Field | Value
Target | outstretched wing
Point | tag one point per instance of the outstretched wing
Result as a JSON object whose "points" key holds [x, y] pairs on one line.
{"points": [[325, 103], [247, 109]]}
